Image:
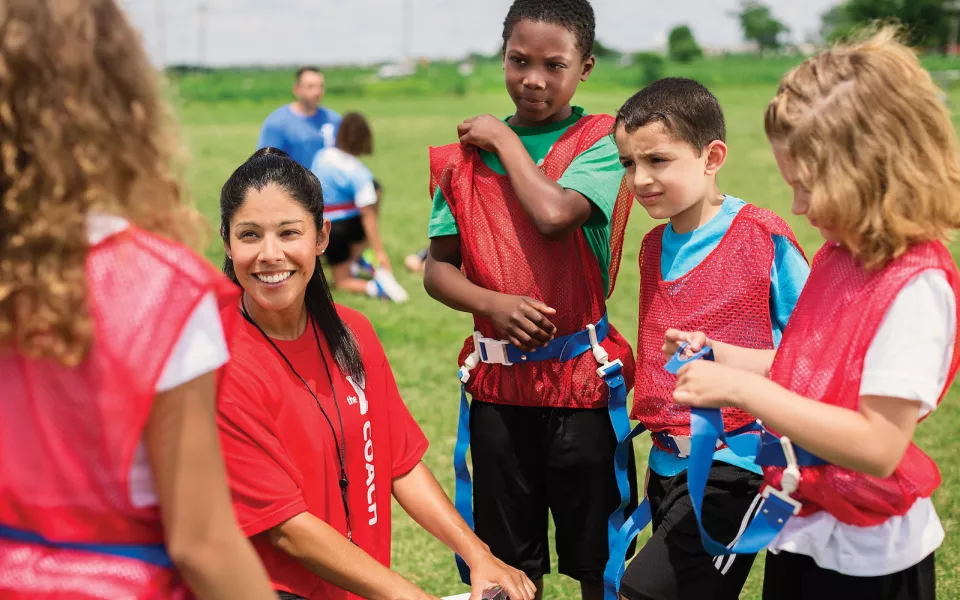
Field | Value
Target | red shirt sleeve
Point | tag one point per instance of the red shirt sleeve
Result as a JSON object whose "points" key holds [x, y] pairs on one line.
{"points": [[263, 481], [408, 443]]}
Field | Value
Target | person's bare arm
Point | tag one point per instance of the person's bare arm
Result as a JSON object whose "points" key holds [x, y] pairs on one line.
{"points": [[872, 440], [330, 556], [748, 359], [203, 539]]}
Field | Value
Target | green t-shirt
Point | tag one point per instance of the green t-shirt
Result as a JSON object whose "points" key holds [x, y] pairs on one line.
{"points": [[596, 173]]}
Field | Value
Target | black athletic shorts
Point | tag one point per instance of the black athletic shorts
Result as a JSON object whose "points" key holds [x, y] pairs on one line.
{"points": [[531, 460], [344, 233], [673, 564], [790, 576]]}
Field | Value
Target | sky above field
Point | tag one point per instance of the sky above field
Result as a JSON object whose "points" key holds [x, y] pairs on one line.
{"points": [[252, 32]]}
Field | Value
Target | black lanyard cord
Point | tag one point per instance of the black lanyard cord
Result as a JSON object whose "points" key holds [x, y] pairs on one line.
{"points": [[341, 443]]}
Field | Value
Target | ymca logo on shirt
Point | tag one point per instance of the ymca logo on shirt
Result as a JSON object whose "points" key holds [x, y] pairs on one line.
{"points": [[361, 398], [351, 400]]}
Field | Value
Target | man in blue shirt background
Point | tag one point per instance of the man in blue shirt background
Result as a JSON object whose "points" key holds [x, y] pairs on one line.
{"points": [[303, 127]]}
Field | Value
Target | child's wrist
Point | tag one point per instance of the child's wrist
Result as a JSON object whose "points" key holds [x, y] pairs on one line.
{"points": [[485, 304], [474, 551], [746, 394], [502, 143]]}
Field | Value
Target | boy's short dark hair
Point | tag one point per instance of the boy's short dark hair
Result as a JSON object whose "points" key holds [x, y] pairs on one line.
{"points": [[574, 15], [685, 107], [303, 70]]}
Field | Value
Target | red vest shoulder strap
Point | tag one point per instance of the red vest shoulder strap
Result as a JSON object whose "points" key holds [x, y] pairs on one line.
{"points": [[155, 284], [772, 223], [650, 248], [443, 161]]}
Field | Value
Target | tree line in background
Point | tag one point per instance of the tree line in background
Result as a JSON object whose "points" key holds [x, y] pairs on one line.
{"points": [[927, 24], [930, 25]]}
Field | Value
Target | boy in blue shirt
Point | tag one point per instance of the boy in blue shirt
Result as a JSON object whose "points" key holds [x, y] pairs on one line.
{"points": [[302, 128], [720, 266]]}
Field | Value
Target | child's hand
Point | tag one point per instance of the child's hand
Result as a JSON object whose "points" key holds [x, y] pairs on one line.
{"points": [[522, 321], [706, 384], [485, 132], [674, 337]]}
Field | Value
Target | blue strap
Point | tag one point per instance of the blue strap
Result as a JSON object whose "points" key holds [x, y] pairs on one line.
{"points": [[770, 453], [706, 427], [154, 554], [564, 348], [463, 495], [677, 362], [621, 530], [616, 564], [743, 441], [617, 407]]}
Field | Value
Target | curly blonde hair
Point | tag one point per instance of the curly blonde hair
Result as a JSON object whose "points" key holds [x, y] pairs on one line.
{"points": [[873, 143], [83, 128]]}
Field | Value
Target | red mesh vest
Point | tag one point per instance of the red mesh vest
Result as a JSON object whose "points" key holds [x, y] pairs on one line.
{"points": [[68, 435], [503, 251], [727, 296], [821, 357]]}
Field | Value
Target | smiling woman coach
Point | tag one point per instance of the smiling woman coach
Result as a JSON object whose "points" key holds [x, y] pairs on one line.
{"points": [[314, 432]]}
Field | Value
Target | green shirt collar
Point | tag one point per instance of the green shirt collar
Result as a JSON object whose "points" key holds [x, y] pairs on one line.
{"points": [[549, 127]]}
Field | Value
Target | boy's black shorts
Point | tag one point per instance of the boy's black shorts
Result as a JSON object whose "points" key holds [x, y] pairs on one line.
{"points": [[531, 460], [344, 233], [673, 564], [796, 577]]}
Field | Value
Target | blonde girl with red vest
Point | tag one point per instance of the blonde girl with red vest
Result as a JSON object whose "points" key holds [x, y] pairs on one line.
{"points": [[111, 480], [862, 138]]}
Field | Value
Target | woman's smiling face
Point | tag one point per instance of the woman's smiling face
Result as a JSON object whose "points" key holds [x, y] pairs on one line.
{"points": [[274, 245]]}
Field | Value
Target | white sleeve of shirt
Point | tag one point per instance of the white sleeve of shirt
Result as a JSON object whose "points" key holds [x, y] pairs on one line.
{"points": [[366, 195], [201, 348], [910, 354]]}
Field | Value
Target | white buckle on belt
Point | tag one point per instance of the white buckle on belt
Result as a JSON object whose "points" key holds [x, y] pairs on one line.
{"points": [[790, 480], [684, 444], [495, 350]]}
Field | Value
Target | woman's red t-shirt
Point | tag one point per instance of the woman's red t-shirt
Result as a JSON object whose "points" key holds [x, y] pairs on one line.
{"points": [[280, 452]]}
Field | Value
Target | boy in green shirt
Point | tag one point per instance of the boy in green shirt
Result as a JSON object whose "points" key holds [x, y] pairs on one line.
{"points": [[526, 231]]}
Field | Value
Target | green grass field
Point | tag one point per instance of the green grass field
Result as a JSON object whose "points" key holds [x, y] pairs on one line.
{"points": [[422, 337]]}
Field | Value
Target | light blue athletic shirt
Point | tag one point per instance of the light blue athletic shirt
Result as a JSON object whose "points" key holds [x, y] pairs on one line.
{"points": [[682, 252], [299, 136], [347, 183]]}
